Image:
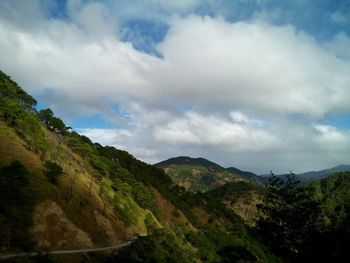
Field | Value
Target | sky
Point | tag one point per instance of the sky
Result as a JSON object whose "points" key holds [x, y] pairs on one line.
{"points": [[256, 84]]}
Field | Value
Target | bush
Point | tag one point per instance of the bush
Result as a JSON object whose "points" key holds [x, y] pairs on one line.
{"points": [[53, 171]]}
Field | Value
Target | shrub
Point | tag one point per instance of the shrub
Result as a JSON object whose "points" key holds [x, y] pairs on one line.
{"points": [[53, 171]]}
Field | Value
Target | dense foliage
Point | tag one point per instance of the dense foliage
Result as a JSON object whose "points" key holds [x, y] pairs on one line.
{"points": [[161, 246], [309, 223], [233, 191], [291, 216], [16, 205]]}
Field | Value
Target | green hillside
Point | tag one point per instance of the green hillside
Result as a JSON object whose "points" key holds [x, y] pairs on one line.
{"points": [[241, 197]]}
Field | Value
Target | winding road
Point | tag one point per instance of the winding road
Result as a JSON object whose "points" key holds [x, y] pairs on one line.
{"points": [[61, 252]]}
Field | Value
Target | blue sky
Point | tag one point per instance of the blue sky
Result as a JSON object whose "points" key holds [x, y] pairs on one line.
{"points": [[257, 84]]}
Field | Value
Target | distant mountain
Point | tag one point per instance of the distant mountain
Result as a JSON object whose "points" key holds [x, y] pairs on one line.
{"points": [[199, 174], [317, 175], [311, 176]]}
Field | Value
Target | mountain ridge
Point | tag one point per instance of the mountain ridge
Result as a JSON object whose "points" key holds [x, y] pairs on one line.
{"points": [[310, 176]]}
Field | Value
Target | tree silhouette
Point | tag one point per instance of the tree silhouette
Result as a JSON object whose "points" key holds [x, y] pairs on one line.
{"points": [[290, 216]]}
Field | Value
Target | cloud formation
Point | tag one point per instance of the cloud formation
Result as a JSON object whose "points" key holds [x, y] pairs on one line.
{"points": [[249, 93], [246, 64]]}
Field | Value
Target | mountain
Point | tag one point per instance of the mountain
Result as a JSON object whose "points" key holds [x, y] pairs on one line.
{"points": [[317, 175], [197, 174], [237, 190], [311, 176], [60, 191]]}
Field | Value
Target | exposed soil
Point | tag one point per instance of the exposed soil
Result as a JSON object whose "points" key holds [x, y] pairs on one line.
{"points": [[106, 226]]}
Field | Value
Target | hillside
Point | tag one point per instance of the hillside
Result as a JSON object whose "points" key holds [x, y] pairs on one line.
{"points": [[241, 197], [103, 196], [197, 174], [237, 190], [334, 193], [62, 191]]}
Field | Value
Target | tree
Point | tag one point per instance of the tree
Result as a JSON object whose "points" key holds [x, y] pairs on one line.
{"points": [[290, 216], [53, 123], [53, 171], [46, 115]]}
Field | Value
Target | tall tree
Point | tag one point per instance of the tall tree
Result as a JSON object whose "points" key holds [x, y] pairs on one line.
{"points": [[290, 216]]}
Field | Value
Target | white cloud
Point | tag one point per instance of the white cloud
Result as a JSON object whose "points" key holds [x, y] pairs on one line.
{"points": [[211, 62], [239, 117], [330, 135], [197, 129], [73, 63], [231, 92], [95, 19]]}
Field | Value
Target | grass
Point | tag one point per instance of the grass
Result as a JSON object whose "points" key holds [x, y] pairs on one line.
{"points": [[13, 148], [129, 211]]}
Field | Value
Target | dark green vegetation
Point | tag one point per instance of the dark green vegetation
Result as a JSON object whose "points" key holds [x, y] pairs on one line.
{"points": [[309, 223], [234, 191], [211, 245], [291, 216], [53, 171], [54, 180], [16, 205]]}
